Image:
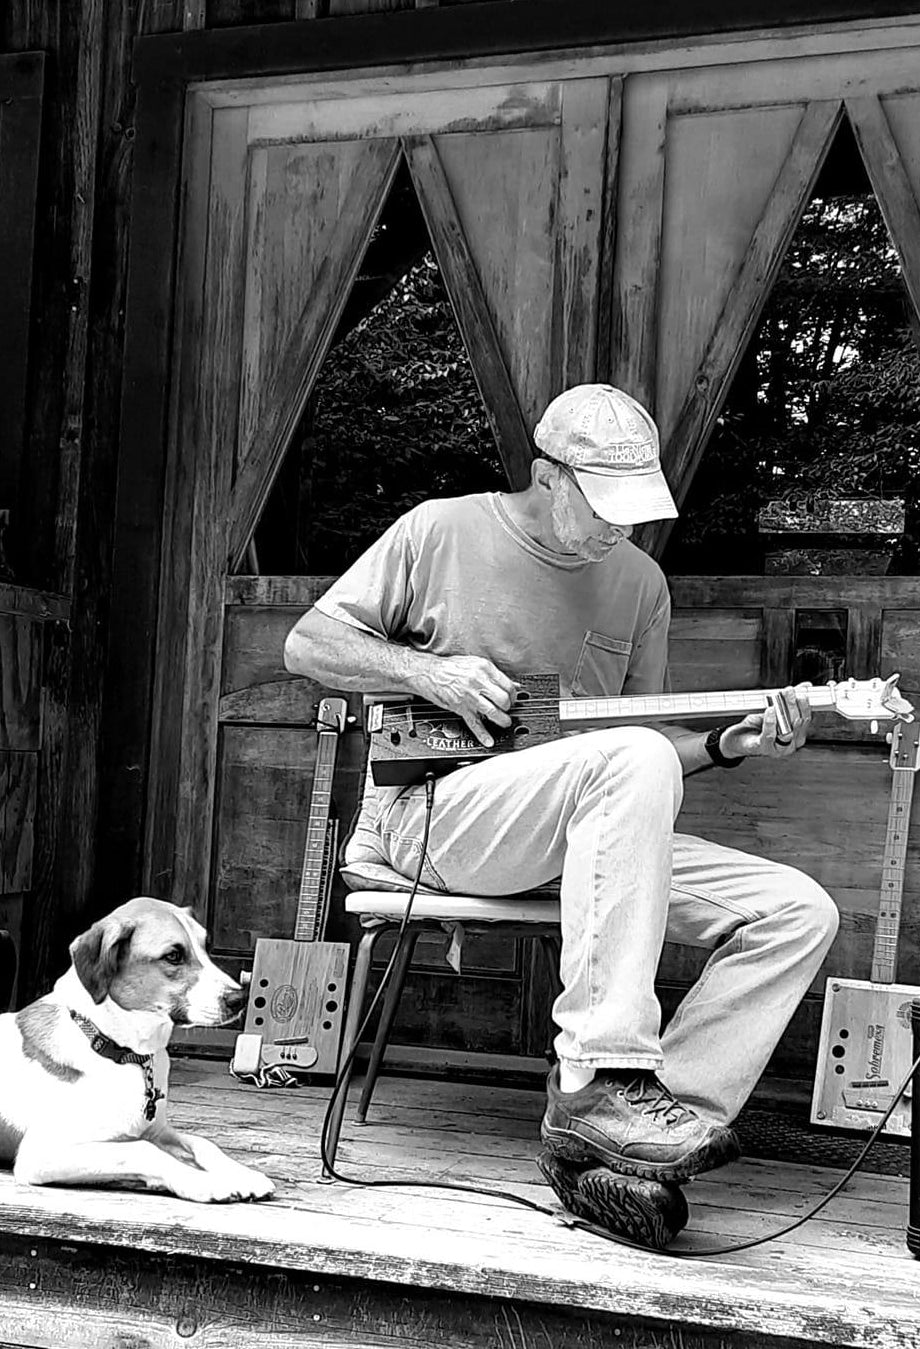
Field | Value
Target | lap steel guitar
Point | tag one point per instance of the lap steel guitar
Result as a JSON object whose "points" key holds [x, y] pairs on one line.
{"points": [[409, 739]]}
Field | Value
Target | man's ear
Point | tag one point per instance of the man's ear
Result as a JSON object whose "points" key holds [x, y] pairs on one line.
{"points": [[97, 955]]}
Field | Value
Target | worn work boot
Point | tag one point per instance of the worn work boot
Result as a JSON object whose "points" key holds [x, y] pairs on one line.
{"points": [[630, 1121], [648, 1212]]}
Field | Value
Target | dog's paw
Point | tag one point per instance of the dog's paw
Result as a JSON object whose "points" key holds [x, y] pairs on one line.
{"points": [[251, 1184], [228, 1185]]}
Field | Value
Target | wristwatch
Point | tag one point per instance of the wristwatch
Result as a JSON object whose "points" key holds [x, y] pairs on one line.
{"points": [[712, 749]]}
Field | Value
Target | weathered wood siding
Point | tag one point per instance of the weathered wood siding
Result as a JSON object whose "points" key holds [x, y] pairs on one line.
{"points": [[31, 753]]}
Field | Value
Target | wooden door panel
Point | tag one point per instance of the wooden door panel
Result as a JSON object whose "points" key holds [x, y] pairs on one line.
{"points": [[299, 196], [504, 189], [720, 169], [715, 649], [315, 266], [900, 645], [21, 85]]}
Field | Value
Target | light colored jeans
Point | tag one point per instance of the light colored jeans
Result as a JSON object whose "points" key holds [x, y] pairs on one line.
{"points": [[599, 810]]}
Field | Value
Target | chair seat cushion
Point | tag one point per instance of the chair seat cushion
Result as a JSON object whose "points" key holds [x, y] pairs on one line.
{"points": [[448, 908]]}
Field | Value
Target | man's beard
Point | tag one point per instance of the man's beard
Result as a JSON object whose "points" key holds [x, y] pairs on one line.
{"points": [[565, 527]]}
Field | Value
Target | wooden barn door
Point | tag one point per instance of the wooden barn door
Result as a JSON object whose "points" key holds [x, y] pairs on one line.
{"points": [[716, 170], [282, 200]]}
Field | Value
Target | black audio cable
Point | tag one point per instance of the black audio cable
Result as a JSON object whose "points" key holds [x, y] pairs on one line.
{"points": [[567, 1219]]}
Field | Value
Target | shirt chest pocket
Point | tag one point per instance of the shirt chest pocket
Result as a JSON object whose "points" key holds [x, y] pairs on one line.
{"points": [[602, 665]]}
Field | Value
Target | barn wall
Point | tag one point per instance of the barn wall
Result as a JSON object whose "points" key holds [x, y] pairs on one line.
{"points": [[64, 533]]}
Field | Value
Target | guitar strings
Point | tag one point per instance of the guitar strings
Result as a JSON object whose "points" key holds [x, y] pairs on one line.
{"points": [[566, 1219]]}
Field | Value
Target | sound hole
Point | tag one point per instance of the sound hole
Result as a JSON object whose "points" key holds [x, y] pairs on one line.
{"points": [[519, 731], [258, 1002], [522, 696], [839, 1068], [331, 1006], [838, 1051], [327, 1025]]}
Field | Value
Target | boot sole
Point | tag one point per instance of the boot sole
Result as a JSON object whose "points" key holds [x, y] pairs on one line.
{"points": [[648, 1212], [571, 1148]]}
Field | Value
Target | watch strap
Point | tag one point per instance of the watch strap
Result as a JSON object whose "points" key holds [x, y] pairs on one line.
{"points": [[714, 751]]}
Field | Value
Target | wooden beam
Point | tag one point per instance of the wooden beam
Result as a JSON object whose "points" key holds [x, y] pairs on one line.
{"points": [[312, 334], [608, 237], [579, 221], [640, 199], [743, 306], [471, 309], [460, 30], [891, 185]]}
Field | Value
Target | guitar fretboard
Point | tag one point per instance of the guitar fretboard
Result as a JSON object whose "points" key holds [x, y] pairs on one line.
{"points": [[584, 711], [307, 920], [888, 923]]}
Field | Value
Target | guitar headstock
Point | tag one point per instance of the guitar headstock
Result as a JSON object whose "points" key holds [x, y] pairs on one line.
{"points": [[905, 746], [331, 715], [871, 700]]}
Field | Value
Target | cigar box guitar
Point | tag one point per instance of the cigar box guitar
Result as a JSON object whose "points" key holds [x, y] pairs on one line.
{"points": [[297, 987], [410, 739], [866, 1046]]}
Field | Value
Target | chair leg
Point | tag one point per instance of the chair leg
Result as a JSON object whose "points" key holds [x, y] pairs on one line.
{"points": [[403, 960], [350, 1036]]}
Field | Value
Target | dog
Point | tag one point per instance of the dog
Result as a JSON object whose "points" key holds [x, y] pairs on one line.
{"points": [[84, 1071]]}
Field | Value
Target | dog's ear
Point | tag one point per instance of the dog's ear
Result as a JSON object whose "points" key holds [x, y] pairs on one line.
{"points": [[97, 955]]}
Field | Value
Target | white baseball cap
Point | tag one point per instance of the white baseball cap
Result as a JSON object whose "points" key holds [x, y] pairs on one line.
{"points": [[611, 444]]}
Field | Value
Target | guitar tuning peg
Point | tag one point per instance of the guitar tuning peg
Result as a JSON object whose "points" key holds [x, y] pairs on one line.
{"points": [[873, 726], [889, 737]]}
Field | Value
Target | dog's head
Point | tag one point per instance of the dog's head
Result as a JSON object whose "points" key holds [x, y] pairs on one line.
{"points": [[150, 956]]}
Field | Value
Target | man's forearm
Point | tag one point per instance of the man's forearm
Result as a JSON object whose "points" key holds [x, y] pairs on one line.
{"points": [[690, 746], [342, 657]]}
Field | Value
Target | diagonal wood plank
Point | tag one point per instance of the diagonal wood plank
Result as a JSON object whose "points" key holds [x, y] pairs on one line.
{"points": [[474, 319], [290, 386], [891, 186], [743, 306]]}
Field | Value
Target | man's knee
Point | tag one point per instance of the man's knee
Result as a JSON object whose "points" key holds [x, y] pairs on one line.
{"points": [[811, 908], [638, 749]]}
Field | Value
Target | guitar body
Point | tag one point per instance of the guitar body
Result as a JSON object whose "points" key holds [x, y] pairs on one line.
{"points": [[407, 740], [864, 1054], [297, 987], [296, 1005]]}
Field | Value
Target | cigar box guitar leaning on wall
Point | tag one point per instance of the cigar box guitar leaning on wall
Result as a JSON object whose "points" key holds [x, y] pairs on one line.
{"points": [[865, 1048], [297, 986]]}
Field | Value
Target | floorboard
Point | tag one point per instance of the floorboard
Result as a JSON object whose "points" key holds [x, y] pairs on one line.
{"points": [[844, 1278]]}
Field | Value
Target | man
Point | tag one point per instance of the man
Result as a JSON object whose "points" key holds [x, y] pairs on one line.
{"points": [[453, 602]]}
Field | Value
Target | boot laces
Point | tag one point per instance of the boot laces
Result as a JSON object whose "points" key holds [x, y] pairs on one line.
{"points": [[653, 1097]]}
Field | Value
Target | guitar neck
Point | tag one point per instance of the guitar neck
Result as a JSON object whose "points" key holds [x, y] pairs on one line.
{"points": [[888, 923], [585, 712], [307, 922]]}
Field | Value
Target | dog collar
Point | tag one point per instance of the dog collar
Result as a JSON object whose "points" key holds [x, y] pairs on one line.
{"points": [[111, 1049]]}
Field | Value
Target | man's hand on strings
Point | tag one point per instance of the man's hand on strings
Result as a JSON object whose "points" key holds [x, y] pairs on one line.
{"points": [[761, 734], [472, 687]]}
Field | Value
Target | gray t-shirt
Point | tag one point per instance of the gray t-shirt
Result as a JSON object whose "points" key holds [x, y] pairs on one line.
{"points": [[459, 577]]}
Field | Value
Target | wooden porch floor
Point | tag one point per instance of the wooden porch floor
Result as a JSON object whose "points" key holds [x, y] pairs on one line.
{"points": [[844, 1279]]}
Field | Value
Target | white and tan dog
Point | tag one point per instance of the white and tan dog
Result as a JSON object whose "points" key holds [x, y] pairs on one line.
{"points": [[84, 1071]]}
